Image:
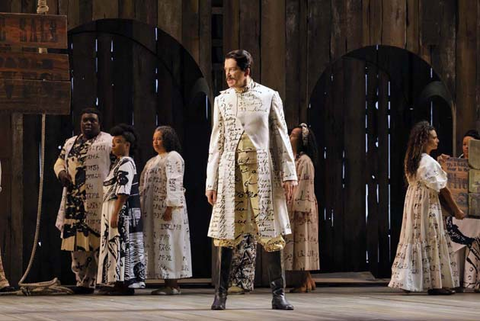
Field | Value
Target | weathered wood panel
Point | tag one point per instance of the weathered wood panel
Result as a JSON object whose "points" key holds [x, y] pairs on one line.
{"points": [[170, 17], [354, 142], [48, 31], [466, 65], [34, 96], [34, 66]]}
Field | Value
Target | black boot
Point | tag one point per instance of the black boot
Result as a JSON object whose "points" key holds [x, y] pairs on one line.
{"points": [[277, 281], [223, 278]]}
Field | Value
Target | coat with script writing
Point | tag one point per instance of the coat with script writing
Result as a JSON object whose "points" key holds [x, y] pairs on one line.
{"points": [[257, 111]]}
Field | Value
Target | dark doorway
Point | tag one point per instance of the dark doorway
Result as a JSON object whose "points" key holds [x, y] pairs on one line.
{"points": [[362, 109]]}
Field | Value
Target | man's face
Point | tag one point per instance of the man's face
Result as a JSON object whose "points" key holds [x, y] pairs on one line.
{"points": [[89, 125], [236, 78]]}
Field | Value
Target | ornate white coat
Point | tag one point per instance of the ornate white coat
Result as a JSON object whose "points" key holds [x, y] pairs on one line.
{"points": [[258, 111], [97, 167]]}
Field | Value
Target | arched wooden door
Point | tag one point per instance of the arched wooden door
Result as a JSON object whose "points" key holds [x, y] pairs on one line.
{"points": [[136, 74], [361, 110]]}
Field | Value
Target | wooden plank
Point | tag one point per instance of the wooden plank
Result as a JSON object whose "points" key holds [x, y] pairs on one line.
{"points": [[147, 11], [29, 6], [444, 50], [293, 54], [16, 233], [249, 34], [393, 32], [466, 65], [122, 80], [105, 80], [317, 119], [170, 18], [69, 8], [144, 64], [338, 38], [372, 22], [413, 22], [26, 30], [335, 163], [354, 19], [384, 264], [231, 26], [318, 42], [85, 8], [34, 96], [31, 175], [273, 45], [84, 93], [205, 34], [104, 9], [372, 168], [126, 9], [354, 142], [190, 28], [27, 65]]}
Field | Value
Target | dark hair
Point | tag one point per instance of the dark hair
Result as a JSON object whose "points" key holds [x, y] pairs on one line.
{"points": [[242, 57], [310, 146], [472, 133], [129, 133], [419, 136], [169, 139], [91, 110]]}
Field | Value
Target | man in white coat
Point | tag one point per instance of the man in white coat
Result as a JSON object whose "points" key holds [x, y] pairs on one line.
{"points": [[250, 173], [81, 167]]}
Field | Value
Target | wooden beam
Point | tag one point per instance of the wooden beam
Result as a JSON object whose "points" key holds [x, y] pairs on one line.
{"points": [[29, 65], [35, 96], [29, 30], [16, 216]]}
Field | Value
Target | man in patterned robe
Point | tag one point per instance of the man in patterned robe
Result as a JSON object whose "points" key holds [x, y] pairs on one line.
{"points": [[81, 167], [250, 158]]}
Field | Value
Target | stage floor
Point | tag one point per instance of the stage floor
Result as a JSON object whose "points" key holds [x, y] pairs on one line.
{"points": [[326, 303]]}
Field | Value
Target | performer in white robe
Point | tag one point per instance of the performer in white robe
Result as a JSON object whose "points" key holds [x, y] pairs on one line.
{"points": [[81, 167], [424, 259], [164, 209]]}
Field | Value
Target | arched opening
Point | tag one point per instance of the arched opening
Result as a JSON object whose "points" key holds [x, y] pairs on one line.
{"points": [[362, 109], [136, 74]]}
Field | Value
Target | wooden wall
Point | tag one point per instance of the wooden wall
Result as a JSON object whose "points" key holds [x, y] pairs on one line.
{"points": [[292, 41]]}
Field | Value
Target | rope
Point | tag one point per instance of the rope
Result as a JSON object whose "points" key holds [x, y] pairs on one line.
{"points": [[53, 286]]}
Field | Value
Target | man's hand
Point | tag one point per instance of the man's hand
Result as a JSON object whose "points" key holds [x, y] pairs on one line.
{"points": [[288, 187], [114, 220], [65, 178], [167, 216], [211, 196]]}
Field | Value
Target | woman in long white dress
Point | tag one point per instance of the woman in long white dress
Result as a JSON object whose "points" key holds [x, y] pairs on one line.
{"points": [[424, 254], [164, 210]]}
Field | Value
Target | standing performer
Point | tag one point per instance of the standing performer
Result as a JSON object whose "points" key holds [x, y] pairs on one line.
{"points": [[122, 259], [83, 164], [250, 158], [4, 285], [424, 259], [465, 235], [164, 208], [301, 252]]}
